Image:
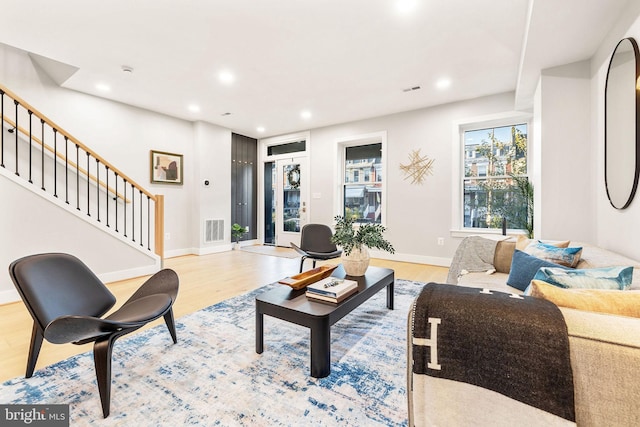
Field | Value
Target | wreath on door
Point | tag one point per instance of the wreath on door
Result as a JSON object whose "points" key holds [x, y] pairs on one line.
{"points": [[293, 177]]}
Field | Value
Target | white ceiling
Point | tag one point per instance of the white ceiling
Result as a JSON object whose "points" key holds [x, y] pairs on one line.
{"points": [[342, 60]]}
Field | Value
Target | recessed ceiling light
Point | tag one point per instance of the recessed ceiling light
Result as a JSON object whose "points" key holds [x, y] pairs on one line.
{"points": [[194, 108], [103, 87], [404, 7], [443, 83], [305, 114], [226, 77], [260, 129]]}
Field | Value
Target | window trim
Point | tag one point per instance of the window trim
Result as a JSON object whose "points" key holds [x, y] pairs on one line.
{"points": [[457, 167], [351, 141]]}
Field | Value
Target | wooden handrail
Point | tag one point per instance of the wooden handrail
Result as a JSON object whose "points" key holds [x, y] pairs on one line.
{"points": [[157, 199], [62, 157], [71, 138]]}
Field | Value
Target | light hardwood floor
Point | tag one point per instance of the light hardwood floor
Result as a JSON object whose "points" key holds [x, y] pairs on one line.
{"points": [[204, 280]]}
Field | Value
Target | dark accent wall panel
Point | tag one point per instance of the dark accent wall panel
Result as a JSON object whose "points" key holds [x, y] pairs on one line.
{"points": [[244, 183]]}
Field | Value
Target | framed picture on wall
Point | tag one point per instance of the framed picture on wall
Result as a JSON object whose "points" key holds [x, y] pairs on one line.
{"points": [[166, 168]]}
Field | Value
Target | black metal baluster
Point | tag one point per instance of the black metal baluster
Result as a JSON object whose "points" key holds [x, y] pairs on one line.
{"points": [[116, 199], [88, 182], [141, 222], [107, 192], [42, 155], [77, 177], [55, 163], [133, 216], [15, 131], [66, 169], [98, 187], [148, 223], [30, 149], [124, 197], [2, 128]]}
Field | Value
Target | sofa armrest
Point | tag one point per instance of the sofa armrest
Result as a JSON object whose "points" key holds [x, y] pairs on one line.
{"points": [[605, 355]]}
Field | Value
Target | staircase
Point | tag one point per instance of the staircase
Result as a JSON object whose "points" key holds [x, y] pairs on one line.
{"points": [[47, 160]]}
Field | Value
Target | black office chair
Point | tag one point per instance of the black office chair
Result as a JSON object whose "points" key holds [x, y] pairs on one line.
{"points": [[66, 301], [315, 244]]}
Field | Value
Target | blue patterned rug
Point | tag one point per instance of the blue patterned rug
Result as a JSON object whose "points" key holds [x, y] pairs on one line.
{"points": [[213, 376]]}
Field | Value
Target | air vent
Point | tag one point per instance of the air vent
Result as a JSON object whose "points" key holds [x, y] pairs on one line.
{"points": [[411, 89], [213, 230]]}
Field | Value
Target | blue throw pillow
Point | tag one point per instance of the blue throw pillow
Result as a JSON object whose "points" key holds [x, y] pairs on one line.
{"points": [[524, 267], [617, 278], [568, 257]]}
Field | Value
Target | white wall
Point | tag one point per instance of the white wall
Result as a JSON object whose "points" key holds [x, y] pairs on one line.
{"points": [[213, 149], [417, 215], [618, 230], [124, 136], [35, 223], [564, 174]]}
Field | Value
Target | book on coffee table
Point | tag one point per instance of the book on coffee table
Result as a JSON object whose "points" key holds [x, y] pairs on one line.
{"points": [[332, 287], [328, 299]]}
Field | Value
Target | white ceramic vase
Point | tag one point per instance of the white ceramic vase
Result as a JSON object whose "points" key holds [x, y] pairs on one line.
{"points": [[357, 262]]}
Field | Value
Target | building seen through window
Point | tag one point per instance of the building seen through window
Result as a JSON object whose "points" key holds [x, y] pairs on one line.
{"points": [[363, 183], [495, 169]]}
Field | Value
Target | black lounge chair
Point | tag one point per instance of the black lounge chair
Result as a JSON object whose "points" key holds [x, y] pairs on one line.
{"points": [[67, 301]]}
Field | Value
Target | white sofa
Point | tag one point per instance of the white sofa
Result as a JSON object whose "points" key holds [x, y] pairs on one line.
{"points": [[604, 351]]}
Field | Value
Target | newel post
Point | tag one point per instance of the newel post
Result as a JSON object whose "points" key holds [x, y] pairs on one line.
{"points": [[159, 225]]}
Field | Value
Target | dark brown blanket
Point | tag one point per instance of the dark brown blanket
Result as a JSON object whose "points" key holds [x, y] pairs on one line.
{"points": [[516, 346]]}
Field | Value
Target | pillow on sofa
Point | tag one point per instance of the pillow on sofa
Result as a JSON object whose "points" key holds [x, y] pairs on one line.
{"points": [[524, 268], [503, 255], [618, 278], [569, 257], [623, 303], [523, 242]]}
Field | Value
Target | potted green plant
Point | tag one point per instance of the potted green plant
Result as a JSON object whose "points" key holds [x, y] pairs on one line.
{"points": [[355, 241], [237, 231]]}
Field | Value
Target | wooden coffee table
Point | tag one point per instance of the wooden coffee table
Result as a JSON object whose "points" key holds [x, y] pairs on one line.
{"points": [[293, 306]]}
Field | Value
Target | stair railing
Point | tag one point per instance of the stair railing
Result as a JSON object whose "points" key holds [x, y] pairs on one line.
{"points": [[71, 171]]}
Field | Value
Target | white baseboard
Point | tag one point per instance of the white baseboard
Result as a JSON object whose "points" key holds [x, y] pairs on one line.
{"points": [[116, 276], [416, 259]]}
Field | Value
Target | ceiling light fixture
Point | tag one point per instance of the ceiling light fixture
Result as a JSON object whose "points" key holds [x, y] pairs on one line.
{"points": [[260, 129], [194, 108], [405, 7], [226, 77], [127, 69], [103, 87], [443, 83], [305, 114]]}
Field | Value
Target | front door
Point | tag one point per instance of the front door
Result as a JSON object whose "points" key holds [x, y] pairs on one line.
{"points": [[289, 191]]}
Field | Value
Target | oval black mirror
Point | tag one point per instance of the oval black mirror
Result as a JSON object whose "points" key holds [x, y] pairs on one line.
{"points": [[621, 114]]}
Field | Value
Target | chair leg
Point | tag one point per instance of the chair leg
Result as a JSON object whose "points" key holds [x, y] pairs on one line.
{"points": [[34, 349], [302, 262], [102, 351], [314, 263], [168, 319]]}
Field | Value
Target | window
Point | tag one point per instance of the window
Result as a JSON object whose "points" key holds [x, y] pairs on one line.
{"points": [[363, 193], [495, 178]]}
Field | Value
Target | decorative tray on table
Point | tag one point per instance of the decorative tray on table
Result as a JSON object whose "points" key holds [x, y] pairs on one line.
{"points": [[305, 278]]}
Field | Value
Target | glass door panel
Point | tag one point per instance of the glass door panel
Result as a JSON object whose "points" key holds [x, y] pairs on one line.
{"points": [[291, 204]]}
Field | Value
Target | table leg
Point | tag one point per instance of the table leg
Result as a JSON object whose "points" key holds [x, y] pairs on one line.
{"points": [[259, 332], [390, 295], [321, 349]]}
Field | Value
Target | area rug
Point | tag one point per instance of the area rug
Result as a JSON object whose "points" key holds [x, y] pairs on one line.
{"points": [[272, 251], [213, 376]]}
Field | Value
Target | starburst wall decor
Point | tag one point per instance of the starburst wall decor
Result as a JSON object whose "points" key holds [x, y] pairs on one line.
{"points": [[418, 167]]}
